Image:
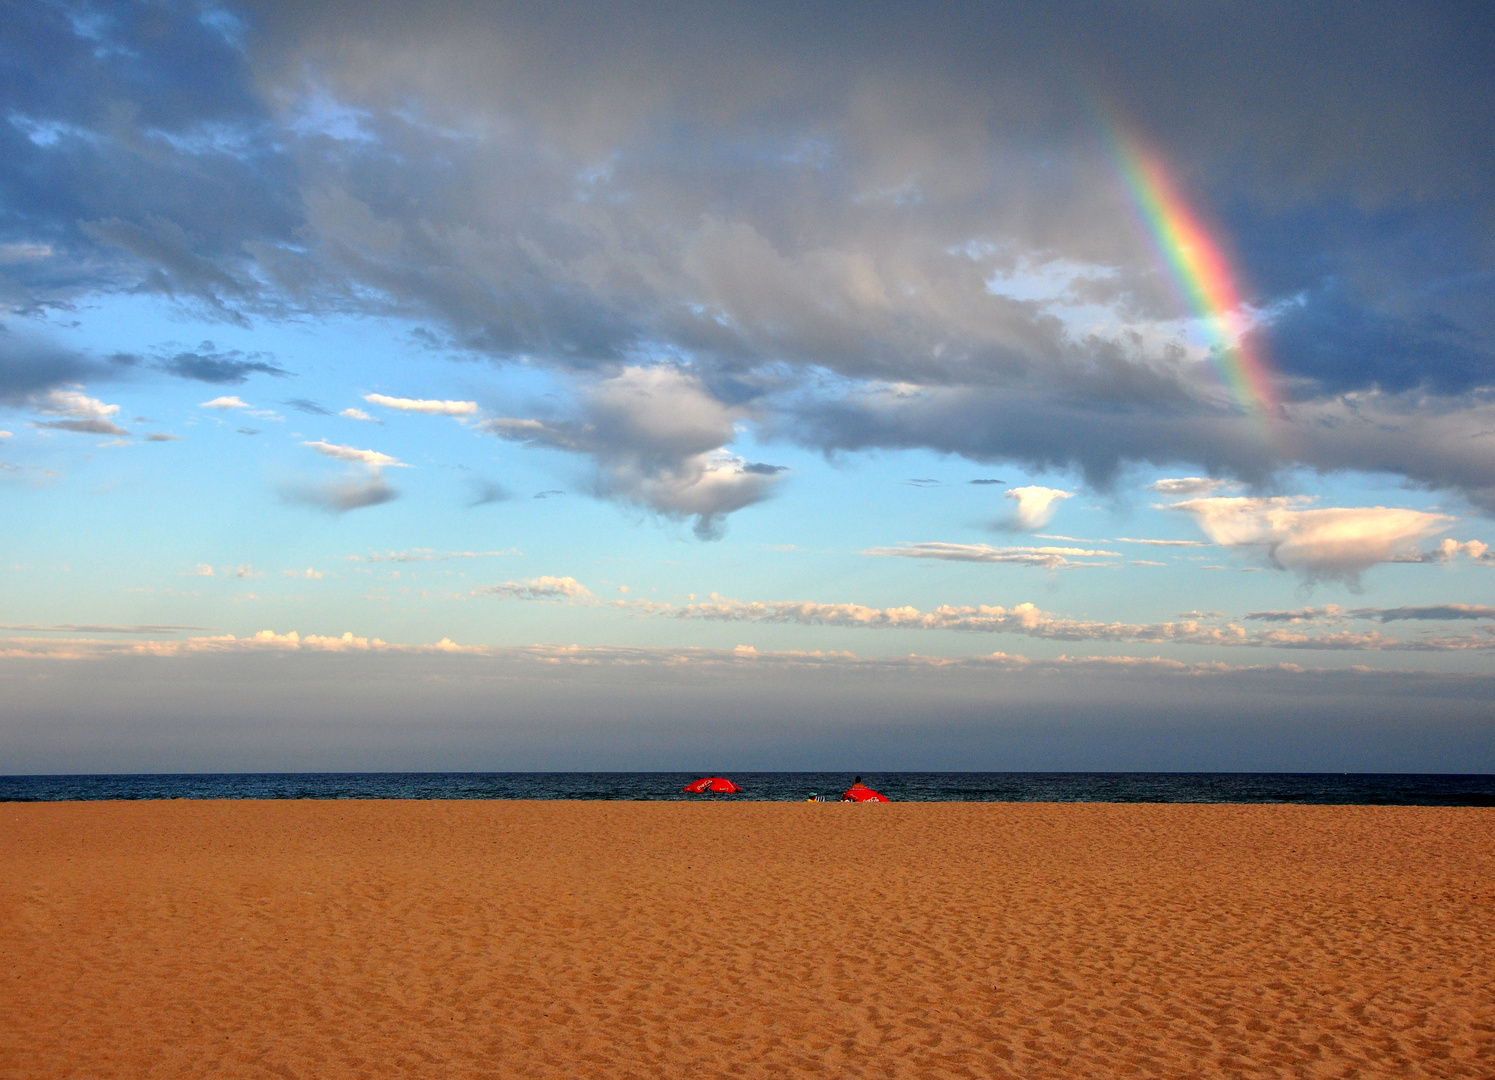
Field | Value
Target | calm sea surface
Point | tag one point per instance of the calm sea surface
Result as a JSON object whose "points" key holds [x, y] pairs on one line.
{"points": [[1324, 788]]}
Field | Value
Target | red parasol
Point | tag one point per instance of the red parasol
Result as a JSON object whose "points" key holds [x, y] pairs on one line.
{"points": [[711, 783], [860, 792]]}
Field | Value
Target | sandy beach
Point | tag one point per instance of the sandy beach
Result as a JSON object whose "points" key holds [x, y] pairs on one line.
{"points": [[523, 939]]}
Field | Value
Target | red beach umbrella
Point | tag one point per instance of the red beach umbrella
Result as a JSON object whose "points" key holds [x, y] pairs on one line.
{"points": [[860, 792], [711, 783]]}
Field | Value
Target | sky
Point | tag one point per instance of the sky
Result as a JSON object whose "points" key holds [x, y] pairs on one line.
{"points": [[872, 386]]}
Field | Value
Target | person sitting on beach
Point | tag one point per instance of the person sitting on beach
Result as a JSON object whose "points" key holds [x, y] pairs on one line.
{"points": [[857, 784]]}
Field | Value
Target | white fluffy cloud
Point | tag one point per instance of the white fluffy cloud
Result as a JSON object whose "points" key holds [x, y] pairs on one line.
{"points": [[657, 437], [225, 402], [1450, 550], [371, 458], [1320, 543], [355, 414], [1035, 507], [76, 404], [422, 405], [81, 413]]}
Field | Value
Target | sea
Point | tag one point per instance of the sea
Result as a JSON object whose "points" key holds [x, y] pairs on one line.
{"points": [[1357, 789]]}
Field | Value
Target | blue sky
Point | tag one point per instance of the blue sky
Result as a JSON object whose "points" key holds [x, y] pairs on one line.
{"points": [[771, 352]]}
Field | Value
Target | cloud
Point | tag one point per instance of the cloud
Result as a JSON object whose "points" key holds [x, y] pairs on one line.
{"points": [[1437, 443], [83, 427], [351, 492], [162, 436], [1327, 613], [226, 402], [1028, 620], [340, 496], [1449, 550], [485, 492], [656, 437], [373, 459], [1435, 612], [974, 282], [307, 406], [1320, 544], [702, 660], [6, 435], [358, 414], [86, 415], [1188, 485], [308, 701], [539, 588], [418, 405], [209, 366], [31, 367], [75, 404], [244, 570], [1160, 543], [1035, 508], [1050, 558], [986, 481]]}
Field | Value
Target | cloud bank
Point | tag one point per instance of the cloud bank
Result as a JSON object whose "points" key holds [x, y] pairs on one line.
{"points": [[860, 228], [340, 701]]}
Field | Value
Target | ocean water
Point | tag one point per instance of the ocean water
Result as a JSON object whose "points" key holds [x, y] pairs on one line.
{"points": [[1395, 789]]}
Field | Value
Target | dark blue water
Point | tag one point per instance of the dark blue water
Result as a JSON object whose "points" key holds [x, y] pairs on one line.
{"points": [[1321, 788]]}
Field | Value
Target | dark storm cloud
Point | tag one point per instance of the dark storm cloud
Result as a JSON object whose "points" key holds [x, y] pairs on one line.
{"points": [[223, 368], [29, 367], [135, 130], [808, 203], [1341, 344]]}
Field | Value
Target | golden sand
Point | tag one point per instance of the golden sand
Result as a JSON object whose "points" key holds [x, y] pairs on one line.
{"points": [[518, 939]]}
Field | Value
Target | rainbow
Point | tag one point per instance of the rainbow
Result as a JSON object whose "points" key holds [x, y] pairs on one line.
{"points": [[1201, 271]]}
